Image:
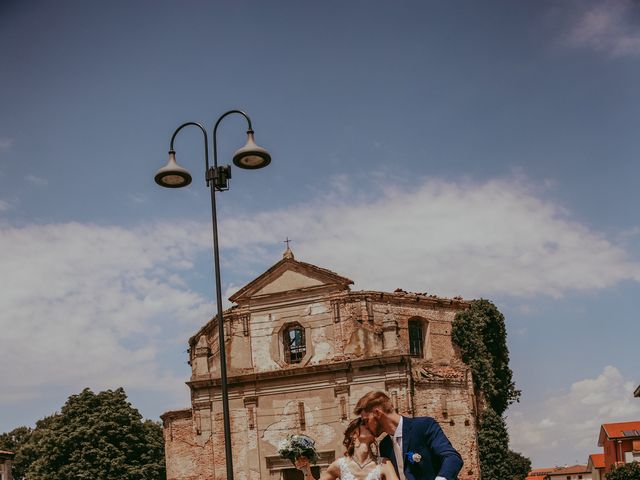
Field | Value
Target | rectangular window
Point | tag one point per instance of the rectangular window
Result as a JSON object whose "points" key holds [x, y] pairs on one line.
{"points": [[416, 338]]}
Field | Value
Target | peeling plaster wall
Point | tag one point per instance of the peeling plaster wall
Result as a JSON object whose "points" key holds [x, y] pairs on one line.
{"points": [[262, 330], [350, 336]]}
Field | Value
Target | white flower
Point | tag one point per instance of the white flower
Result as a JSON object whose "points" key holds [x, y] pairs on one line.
{"points": [[416, 457], [284, 444]]}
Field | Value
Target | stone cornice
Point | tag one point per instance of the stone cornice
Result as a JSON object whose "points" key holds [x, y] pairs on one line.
{"points": [[176, 414], [410, 299], [402, 298], [342, 366]]}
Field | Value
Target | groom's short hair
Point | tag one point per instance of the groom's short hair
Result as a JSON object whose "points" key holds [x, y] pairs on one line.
{"points": [[372, 400]]}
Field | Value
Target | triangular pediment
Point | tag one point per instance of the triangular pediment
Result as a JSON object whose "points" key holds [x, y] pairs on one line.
{"points": [[289, 280], [290, 275]]}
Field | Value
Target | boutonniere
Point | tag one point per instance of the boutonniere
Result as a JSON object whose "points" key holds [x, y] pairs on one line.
{"points": [[414, 457]]}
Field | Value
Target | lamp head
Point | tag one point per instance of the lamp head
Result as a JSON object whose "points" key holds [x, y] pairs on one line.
{"points": [[173, 175], [251, 156]]}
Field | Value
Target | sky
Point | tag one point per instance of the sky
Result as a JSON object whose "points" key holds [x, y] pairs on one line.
{"points": [[484, 149]]}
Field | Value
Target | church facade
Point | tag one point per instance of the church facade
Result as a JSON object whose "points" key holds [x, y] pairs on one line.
{"points": [[302, 348]]}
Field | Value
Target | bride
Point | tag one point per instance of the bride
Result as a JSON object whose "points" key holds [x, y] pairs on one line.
{"points": [[360, 462]]}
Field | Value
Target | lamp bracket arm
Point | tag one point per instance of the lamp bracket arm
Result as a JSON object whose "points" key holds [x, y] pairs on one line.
{"points": [[206, 142], [215, 132]]}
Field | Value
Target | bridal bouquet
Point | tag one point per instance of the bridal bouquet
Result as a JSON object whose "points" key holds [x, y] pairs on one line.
{"points": [[295, 446]]}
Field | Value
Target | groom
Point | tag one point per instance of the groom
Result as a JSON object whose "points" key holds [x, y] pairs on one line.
{"points": [[417, 447]]}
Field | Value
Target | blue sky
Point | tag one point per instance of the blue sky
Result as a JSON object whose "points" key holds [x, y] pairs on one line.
{"points": [[488, 149]]}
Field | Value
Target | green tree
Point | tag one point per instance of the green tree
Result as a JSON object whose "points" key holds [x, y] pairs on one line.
{"points": [[481, 334], [520, 465], [496, 460], [628, 471], [14, 441], [493, 446], [95, 436]]}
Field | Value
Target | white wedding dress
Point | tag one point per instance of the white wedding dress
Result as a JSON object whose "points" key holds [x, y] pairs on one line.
{"points": [[347, 474]]}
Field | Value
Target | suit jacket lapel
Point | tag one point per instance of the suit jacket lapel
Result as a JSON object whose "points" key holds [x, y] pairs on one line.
{"points": [[386, 450], [406, 435]]}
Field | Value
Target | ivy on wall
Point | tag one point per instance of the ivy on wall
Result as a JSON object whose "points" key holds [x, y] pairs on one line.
{"points": [[481, 335]]}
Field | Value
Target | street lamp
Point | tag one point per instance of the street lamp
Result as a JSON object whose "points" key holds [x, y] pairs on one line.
{"points": [[172, 175]]}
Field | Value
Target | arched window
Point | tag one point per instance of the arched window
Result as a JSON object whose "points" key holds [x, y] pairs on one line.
{"points": [[416, 338], [295, 346]]}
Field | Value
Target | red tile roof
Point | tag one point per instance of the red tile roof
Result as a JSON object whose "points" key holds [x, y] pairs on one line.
{"points": [[569, 470], [597, 459], [536, 473], [540, 473], [615, 430]]}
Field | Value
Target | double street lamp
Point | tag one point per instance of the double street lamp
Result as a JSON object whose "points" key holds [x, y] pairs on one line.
{"points": [[172, 175]]}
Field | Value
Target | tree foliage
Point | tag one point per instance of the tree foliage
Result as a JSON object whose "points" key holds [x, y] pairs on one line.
{"points": [[481, 334], [95, 436], [493, 446], [520, 465], [14, 441], [628, 471], [496, 460]]}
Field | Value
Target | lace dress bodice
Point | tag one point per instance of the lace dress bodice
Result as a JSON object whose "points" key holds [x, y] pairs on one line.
{"points": [[347, 474]]}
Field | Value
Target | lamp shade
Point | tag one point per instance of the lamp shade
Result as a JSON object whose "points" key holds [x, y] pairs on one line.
{"points": [[173, 175], [251, 156]]}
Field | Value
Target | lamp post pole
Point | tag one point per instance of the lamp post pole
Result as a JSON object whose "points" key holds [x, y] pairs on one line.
{"points": [[251, 157]]}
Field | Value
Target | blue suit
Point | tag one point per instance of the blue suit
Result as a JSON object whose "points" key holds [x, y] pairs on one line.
{"points": [[423, 435]]}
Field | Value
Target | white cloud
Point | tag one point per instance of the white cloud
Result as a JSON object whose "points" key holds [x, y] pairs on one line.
{"points": [[38, 181], [87, 305], [607, 26], [474, 239], [573, 419], [4, 206]]}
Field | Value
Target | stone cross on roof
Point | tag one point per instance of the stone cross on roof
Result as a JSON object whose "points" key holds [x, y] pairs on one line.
{"points": [[287, 253]]}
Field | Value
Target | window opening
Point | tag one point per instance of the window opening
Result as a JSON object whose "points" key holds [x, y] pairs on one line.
{"points": [[416, 338], [295, 346]]}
